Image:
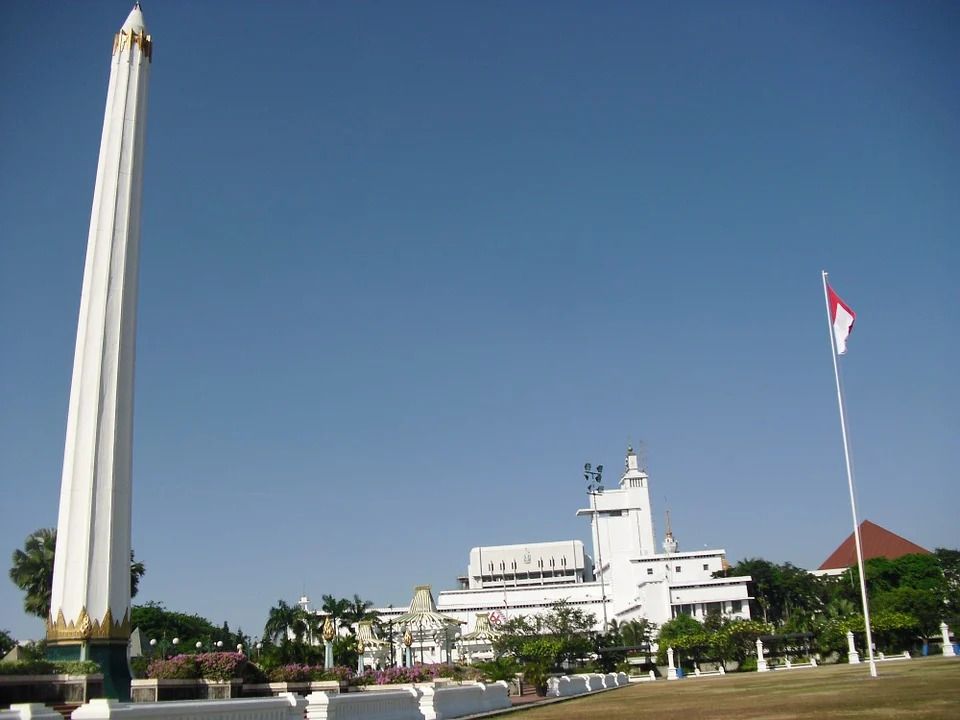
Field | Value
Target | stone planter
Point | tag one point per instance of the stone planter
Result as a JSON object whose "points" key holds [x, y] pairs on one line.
{"points": [[157, 690], [275, 688], [220, 689], [49, 689]]}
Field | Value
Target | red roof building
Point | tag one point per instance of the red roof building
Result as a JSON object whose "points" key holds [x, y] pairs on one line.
{"points": [[876, 542]]}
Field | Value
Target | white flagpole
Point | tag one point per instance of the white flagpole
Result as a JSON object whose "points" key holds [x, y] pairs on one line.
{"points": [[853, 503]]}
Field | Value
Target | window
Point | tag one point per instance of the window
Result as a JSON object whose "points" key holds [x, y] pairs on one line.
{"points": [[676, 568], [649, 571], [706, 566]]}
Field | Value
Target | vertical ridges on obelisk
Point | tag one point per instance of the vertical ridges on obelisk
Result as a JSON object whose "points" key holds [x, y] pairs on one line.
{"points": [[91, 581]]}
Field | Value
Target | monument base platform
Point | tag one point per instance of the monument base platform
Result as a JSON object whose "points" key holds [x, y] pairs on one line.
{"points": [[110, 656]]}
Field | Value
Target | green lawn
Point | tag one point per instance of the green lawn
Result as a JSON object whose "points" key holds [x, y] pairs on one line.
{"points": [[921, 688]]}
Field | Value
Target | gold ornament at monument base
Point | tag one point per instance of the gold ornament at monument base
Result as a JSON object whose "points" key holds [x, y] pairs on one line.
{"points": [[83, 628], [328, 632], [407, 639]]}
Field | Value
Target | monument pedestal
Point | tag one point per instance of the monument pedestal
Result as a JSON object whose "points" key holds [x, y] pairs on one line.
{"points": [[110, 656]]}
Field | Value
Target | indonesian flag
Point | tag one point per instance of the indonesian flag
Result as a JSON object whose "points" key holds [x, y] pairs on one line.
{"points": [[842, 318]]}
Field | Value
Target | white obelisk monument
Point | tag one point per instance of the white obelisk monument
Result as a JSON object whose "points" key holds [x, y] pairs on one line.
{"points": [[90, 604]]}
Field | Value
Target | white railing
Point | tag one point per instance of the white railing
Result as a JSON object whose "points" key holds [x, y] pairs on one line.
{"points": [[383, 705], [419, 702], [30, 711], [594, 682], [569, 685], [283, 707], [905, 655]]}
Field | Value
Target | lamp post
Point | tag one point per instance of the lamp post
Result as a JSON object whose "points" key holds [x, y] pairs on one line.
{"points": [[175, 641], [594, 488]]}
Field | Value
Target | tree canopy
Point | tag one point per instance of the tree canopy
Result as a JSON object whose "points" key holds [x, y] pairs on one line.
{"points": [[32, 571]]}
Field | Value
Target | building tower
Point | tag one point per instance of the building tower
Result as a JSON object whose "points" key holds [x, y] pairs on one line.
{"points": [[90, 602], [670, 545]]}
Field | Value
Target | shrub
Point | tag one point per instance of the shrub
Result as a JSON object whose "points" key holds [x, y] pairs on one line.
{"points": [[290, 673], [502, 668], [221, 665], [138, 667], [179, 667], [46, 667], [253, 674]]}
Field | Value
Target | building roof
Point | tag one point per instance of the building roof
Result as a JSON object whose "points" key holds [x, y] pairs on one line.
{"points": [[876, 542], [423, 611]]}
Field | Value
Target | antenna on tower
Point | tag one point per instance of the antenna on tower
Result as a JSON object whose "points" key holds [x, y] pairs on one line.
{"points": [[642, 455]]}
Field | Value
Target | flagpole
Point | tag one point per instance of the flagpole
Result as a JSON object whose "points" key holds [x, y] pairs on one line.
{"points": [[853, 502]]}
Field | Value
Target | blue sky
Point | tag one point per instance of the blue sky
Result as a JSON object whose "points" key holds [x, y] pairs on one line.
{"points": [[406, 267]]}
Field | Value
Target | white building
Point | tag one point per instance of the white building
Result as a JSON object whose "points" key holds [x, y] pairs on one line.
{"points": [[630, 580]]}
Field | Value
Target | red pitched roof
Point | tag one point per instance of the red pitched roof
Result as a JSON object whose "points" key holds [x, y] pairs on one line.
{"points": [[876, 542]]}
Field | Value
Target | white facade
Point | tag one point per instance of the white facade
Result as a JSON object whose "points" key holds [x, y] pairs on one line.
{"points": [[533, 564], [632, 578], [91, 577]]}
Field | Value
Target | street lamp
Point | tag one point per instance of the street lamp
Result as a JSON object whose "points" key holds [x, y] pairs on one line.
{"points": [[594, 488], [175, 641], [153, 646]]}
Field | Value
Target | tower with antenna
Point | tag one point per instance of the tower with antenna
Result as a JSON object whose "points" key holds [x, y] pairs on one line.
{"points": [[670, 544]]}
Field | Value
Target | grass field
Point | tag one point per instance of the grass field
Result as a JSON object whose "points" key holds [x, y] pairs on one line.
{"points": [[918, 689]]}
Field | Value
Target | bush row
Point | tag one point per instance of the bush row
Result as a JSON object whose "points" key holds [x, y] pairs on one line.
{"points": [[47, 667]]}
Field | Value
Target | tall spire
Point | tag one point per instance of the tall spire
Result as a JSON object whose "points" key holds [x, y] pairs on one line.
{"points": [[90, 599]]}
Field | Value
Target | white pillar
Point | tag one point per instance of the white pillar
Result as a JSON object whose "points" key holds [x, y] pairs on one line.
{"points": [[948, 649], [761, 660], [90, 599], [853, 657], [671, 668]]}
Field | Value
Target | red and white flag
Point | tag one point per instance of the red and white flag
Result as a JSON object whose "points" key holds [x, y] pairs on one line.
{"points": [[842, 318]]}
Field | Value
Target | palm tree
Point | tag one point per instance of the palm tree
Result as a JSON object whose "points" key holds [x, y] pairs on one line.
{"points": [[335, 608], [281, 618], [358, 610], [32, 571]]}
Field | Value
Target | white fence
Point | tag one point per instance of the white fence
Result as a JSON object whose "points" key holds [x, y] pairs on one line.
{"points": [[417, 702], [569, 685], [283, 707], [30, 711]]}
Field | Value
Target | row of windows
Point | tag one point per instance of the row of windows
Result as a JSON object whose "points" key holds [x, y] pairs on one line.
{"points": [[710, 608], [513, 564], [676, 569]]}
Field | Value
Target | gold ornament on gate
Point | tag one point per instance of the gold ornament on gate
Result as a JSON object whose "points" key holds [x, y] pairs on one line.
{"points": [[328, 632]]}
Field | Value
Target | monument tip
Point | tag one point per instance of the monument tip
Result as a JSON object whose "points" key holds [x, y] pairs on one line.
{"points": [[135, 21]]}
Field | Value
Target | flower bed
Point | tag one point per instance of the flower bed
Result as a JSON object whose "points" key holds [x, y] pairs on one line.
{"points": [[220, 666]]}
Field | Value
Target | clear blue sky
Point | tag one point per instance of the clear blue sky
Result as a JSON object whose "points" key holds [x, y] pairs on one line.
{"points": [[407, 266]]}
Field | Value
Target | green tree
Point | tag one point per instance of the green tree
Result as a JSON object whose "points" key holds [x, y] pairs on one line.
{"points": [[158, 623], [638, 633], [950, 565], [7, 643], [686, 636], [335, 608], [357, 611], [32, 571], [547, 640], [282, 620], [736, 639]]}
